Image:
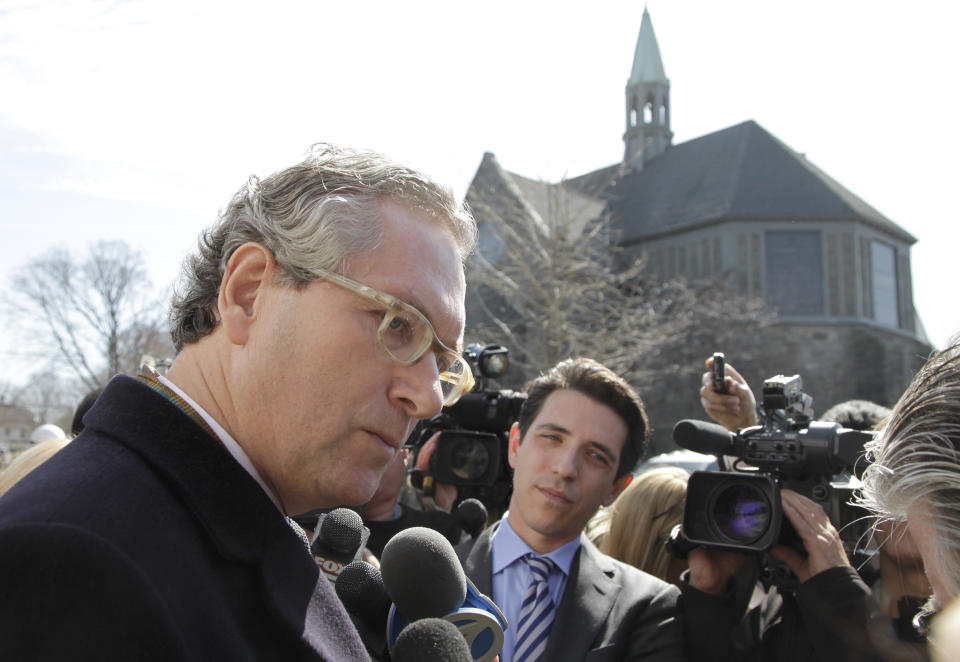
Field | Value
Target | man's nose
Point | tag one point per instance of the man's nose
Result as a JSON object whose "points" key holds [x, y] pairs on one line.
{"points": [[417, 387], [565, 463]]}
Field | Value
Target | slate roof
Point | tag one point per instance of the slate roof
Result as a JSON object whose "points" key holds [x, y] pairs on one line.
{"points": [[739, 173]]}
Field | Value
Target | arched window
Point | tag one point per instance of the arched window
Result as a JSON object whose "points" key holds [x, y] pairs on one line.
{"points": [[633, 117], [648, 112]]}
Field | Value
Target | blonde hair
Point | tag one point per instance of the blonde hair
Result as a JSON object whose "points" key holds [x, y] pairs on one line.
{"points": [[642, 517], [27, 461]]}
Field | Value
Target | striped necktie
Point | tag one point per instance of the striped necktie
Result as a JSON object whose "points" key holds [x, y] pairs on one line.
{"points": [[536, 612]]}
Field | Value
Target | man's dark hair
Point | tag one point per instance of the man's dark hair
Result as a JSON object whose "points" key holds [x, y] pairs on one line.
{"points": [[598, 382], [76, 426]]}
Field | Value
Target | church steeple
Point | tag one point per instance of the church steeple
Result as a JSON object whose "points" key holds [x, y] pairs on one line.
{"points": [[648, 101]]}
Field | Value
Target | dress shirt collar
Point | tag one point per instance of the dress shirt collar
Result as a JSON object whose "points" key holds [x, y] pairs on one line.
{"points": [[228, 442], [508, 546]]}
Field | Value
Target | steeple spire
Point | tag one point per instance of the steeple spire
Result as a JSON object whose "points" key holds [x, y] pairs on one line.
{"points": [[647, 65], [648, 101]]}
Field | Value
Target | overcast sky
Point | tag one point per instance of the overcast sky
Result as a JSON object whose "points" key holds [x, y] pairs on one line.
{"points": [[138, 120]]}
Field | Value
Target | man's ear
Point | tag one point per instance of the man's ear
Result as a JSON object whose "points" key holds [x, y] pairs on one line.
{"points": [[513, 444], [249, 270], [619, 485]]}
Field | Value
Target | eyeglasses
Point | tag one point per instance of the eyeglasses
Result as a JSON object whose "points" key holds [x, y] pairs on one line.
{"points": [[406, 335]]}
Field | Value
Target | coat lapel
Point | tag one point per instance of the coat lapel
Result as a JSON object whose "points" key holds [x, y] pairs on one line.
{"points": [[588, 598], [478, 562]]}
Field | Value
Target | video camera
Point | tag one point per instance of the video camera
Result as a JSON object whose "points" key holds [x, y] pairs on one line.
{"points": [[740, 509], [471, 451]]}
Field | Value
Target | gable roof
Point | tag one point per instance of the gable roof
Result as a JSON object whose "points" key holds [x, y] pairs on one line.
{"points": [[501, 194], [742, 172]]}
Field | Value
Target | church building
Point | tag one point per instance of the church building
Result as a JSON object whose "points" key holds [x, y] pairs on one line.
{"points": [[740, 204]]}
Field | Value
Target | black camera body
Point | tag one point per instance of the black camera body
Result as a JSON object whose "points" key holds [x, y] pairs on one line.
{"points": [[739, 509], [471, 450]]}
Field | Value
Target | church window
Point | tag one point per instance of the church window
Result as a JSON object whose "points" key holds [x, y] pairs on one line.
{"points": [[648, 112], [794, 272], [883, 261], [633, 117]]}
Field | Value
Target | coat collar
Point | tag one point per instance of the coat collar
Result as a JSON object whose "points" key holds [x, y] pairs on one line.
{"points": [[240, 519], [225, 498]]}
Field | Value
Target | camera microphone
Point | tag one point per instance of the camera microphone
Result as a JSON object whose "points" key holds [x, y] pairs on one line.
{"points": [[704, 437], [431, 640], [338, 539], [472, 516], [424, 578]]}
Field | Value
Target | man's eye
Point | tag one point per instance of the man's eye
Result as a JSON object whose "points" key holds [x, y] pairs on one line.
{"points": [[599, 457], [402, 331]]}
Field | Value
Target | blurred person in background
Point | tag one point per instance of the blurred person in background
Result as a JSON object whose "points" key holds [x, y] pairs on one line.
{"points": [[640, 520], [732, 615], [386, 515], [27, 461], [76, 425]]}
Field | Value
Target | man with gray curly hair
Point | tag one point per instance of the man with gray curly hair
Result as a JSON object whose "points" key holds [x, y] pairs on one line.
{"points": [[915, 470], [322, 316]]}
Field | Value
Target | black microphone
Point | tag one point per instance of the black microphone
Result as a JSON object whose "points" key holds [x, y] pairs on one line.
{"points": [[417, 558], [704, 437], [360, 589], [338, 539], [431, 640], [472, 516]]}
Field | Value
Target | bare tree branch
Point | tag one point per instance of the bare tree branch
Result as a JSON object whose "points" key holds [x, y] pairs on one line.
{"points": [[549, 293], [95, 315]]}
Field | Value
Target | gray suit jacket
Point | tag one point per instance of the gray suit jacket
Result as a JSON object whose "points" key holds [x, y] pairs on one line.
{"points": [[609, 610]]}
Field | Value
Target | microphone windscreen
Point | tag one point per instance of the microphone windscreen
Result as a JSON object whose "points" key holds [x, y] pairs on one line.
{"points": [[422, 574], [342, 531], [472, 515], [431, 640], [704, 437], [360, 589]]}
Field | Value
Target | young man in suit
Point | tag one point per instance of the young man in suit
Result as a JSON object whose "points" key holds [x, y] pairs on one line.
{"points": [[578, 437], [321, 317]]}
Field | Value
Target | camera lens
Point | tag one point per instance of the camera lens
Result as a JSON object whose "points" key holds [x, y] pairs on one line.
{"points": [[741, 512], [469, 460]]}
